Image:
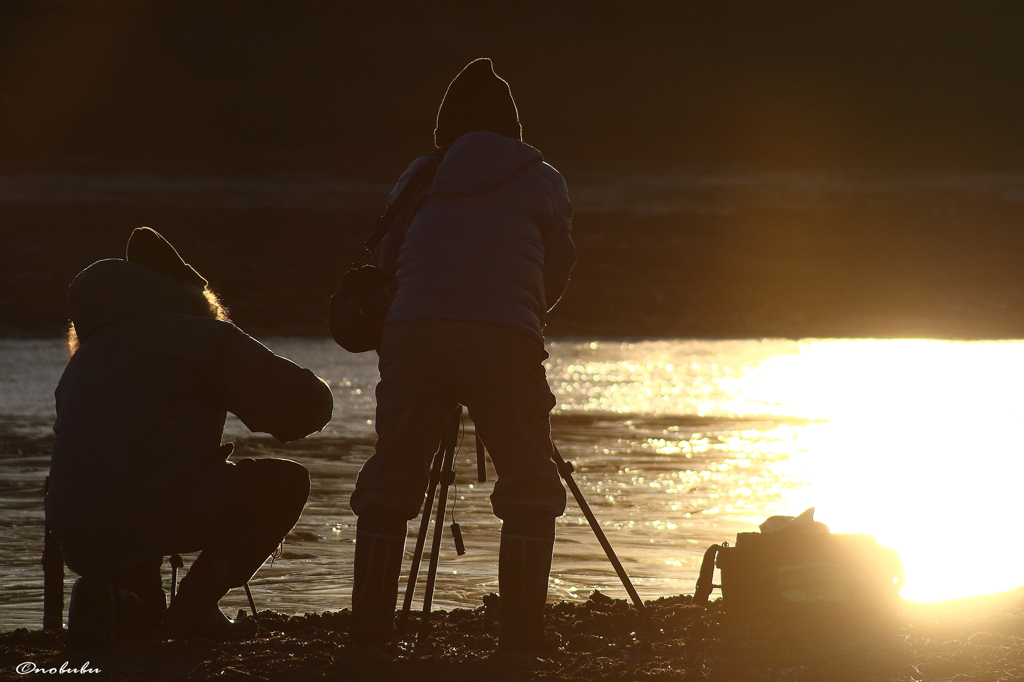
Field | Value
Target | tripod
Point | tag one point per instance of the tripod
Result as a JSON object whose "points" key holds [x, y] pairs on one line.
{"points": [[442, 472]]}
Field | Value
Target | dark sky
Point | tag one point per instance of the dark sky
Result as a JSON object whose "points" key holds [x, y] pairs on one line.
{"points": [[340, 87], [152, 92]]}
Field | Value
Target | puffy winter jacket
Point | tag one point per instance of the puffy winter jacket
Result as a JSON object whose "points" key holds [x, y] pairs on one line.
{"points": [[491, 240], [136, 469]]}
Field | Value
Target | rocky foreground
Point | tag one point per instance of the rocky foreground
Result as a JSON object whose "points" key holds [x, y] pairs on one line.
{"points": [[979, 638]]}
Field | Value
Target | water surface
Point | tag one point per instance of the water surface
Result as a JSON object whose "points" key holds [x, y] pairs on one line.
{"points": [[678, 445]]}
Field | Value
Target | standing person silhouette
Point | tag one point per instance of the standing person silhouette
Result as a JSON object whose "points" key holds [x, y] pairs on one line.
{"points": [[486, 256]]}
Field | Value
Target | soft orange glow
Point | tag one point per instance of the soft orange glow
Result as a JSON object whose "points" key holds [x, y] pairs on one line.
{"points": [[923, 448], [920, 443]]}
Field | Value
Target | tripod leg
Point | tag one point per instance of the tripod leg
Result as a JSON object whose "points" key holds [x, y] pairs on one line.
{"points": [[176, 563], [252, 605], [428, 507], [565, 469], [53, 577], [481, 464], [53, 583], [447, 478]]}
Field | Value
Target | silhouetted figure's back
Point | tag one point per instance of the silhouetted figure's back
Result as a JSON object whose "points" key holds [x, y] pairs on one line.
{"points": [[487, 254], [138, 470]]}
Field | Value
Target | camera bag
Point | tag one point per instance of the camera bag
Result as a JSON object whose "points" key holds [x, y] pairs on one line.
{"points": [[802, 571], [364, 294]]}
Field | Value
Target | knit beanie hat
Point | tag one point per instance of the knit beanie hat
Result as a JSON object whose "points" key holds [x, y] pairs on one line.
{"points": [[477, 100], [148, 248]]}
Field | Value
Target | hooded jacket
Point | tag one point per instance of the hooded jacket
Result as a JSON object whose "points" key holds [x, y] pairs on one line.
{"points": [[137, 470], [491, 240]]}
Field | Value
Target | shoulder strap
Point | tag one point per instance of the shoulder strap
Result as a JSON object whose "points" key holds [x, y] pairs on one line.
{"points": [[423, 176], [706, 577]]}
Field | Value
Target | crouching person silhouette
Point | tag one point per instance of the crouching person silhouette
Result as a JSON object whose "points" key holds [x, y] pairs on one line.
{"points": [[138, 469], [487, 254]]}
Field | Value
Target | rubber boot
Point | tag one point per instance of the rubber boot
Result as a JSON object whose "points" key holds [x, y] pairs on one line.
{"points": [[380, 548], [524, 561], [91, 613], [194, 612], [141, 602]]}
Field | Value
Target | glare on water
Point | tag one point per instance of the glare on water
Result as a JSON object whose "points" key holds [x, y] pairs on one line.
{"points": [[678, 445], [918, 442], [923, 448]]}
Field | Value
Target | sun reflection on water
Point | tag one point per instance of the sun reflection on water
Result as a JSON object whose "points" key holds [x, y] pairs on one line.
{"points": [[678, 444], [917, 442], [922, 448]]}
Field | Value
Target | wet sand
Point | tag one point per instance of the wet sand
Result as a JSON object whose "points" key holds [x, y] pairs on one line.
{"points": [[978, 638]]}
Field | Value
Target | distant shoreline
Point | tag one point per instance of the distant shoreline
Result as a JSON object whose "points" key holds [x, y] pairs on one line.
{"points": [[743, 254]]}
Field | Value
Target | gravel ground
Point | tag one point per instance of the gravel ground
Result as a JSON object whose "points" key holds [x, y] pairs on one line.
{"points": [[979, 638]]}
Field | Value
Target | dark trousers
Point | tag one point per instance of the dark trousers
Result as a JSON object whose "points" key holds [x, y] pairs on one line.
{"points": [[427, 367], [271, 495], [269, 499]]}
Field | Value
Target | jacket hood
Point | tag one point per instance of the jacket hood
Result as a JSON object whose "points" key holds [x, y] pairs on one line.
{"points": [[478, 162], [113, 290], [478, 99]]}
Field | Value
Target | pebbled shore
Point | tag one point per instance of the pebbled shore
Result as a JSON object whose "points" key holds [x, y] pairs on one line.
{"points": [[980, 638]]}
